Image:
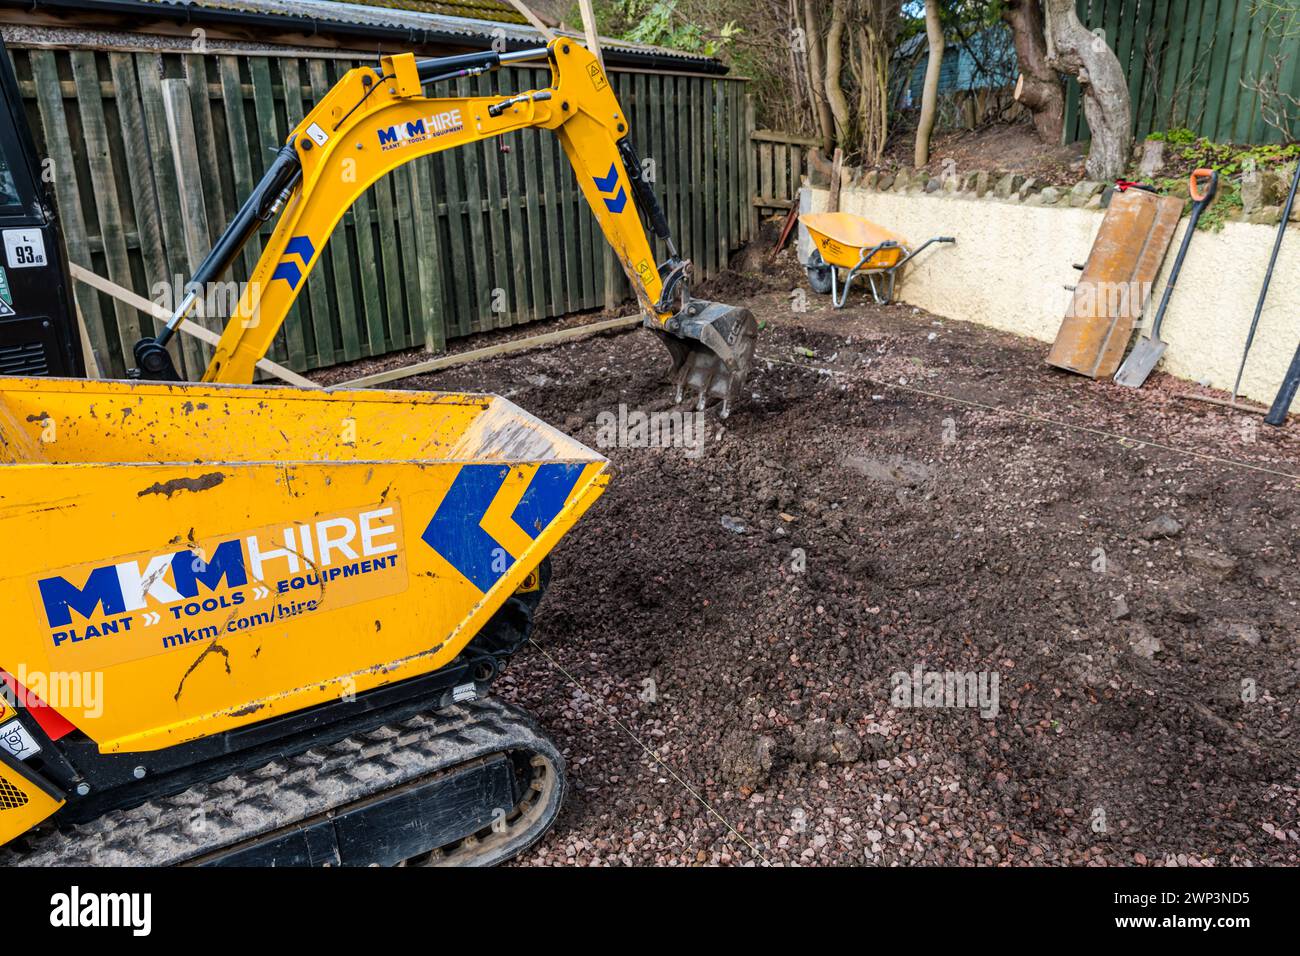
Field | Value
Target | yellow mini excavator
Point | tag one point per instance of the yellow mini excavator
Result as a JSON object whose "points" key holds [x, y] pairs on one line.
{"points": [[250, 625]]}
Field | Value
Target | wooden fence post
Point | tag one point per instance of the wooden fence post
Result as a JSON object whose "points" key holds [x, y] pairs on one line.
{"points": [[189, 184], [751, 181], [85, 72]]}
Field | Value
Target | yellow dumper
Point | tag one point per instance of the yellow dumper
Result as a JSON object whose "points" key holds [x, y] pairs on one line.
{"points": [[258, 626], [186, 561]]}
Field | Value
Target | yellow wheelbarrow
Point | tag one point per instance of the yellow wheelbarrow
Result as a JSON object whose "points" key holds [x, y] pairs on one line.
{"points": [[844, 241]]}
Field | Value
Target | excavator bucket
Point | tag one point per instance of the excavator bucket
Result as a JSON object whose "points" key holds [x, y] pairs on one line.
{"points": [[217, 556], [712, 347]]}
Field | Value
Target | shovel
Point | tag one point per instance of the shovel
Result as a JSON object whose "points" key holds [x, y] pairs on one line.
{"points": [[1133, 373], [1268, 277]]}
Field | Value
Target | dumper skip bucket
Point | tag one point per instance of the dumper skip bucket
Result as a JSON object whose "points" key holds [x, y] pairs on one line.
{"points": [[204, 557]]}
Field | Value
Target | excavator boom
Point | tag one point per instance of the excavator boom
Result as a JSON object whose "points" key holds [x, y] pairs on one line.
{"points": [[374, 120]]}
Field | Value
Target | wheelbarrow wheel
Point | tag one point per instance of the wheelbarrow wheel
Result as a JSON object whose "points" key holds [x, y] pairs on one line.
{"points": [[819, 274]]}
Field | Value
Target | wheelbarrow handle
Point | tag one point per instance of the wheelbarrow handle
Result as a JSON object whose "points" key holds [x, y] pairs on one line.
{"points": [[921, 248]]}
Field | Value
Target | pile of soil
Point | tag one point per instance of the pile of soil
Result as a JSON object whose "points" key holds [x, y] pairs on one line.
{"points": [[903, 493], [997, 147]]}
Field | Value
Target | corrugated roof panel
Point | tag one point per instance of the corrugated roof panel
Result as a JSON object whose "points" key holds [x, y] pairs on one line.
{"points": [[400, 15], [480, 9]]}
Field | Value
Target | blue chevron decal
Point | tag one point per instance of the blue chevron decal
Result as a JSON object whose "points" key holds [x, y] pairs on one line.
{"points": [[286, 268], [301, 247], [618, 202], [545, 496], [454, 531], [607, 183], [289, 272]]}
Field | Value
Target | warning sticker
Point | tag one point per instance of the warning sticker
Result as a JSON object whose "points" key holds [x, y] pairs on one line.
{"points": [[145, 604], [17, 739], [597, 77], [6, 296]]}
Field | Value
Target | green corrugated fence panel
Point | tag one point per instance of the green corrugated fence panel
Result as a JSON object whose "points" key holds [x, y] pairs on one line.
{"points": [[1194, 63]]}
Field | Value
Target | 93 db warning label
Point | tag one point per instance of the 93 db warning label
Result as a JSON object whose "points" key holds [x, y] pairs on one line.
{"points": [[144, 604]]}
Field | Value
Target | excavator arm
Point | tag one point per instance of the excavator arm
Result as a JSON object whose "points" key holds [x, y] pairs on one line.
{"points": [[374, 120]]}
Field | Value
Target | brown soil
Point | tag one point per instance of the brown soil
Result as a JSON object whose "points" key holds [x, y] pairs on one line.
{"points": [[1006, 147], [954, 498]]}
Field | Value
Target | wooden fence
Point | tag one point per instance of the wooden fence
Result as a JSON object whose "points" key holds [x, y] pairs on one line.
{"points": [[780, 161], [152, 152], [1186, 61]]}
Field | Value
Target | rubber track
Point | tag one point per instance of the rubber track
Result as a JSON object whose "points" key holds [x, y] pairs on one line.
{"points": [[171, 830]]}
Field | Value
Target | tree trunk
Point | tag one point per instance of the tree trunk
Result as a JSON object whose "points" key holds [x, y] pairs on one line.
{"points": [[1039, 88], [930, 92], [834, 64], [1072, 48], [816, 77], [877, 27]]}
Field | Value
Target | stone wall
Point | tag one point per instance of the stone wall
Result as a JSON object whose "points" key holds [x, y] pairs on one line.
{"points": [[1017, 241]]}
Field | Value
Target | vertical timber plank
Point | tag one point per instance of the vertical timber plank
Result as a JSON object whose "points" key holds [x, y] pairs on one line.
{"points": [[551, 250], [751, 177], [459, 278], [516, 222], [49, 102], [288, 343], [480, 273], [497, 258], [530, 150], [708, 149], [726, 196], [572, 228], [103, 178], [139, 172], [692, 106], [232, 94], [1193, 80], [340, 247], [316, 295], [414, 269], [653, 149], [670, 159], [188, 353], [389, 252], [367, 264], [1218, 82], [1250, 126], [196, 70], [189, 182]]}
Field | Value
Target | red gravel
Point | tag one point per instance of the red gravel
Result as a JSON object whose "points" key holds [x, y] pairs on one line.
{"points": [[941, 534]]}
